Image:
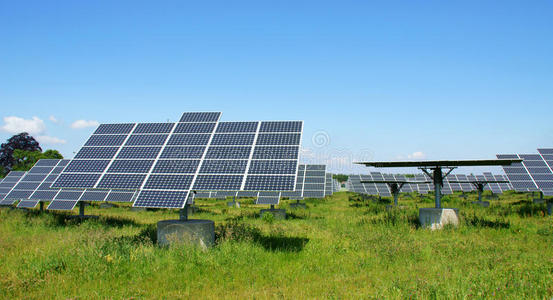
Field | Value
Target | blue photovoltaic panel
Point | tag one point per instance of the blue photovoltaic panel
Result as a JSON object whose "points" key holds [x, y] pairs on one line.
{"points": [[182, 152], [281, 126], [164, 199], [130, 166], [153, 128], [228, 152], [233, 139], [69, 180], [189, 139], [273, 167], [47, 163], [27, 203], [138, 152], [275, 152], [218, 182], [121, 181], [225, 127], [176, 182], [223, 167], [518, 175], [270, 183], [96, 152], [146, 139], [195, 127], [40, 170], [176, 166], [279, 139], [68, 195], [114, 129], [62, 204], [200, 117], [268, 198], [115, 196], [94, 196], [86, 166], [106, 140]]}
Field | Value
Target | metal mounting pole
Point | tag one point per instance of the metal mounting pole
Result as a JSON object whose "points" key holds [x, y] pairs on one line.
{"points": [[81, 208], [272, 206], [183, 213], [41, 206], [438, 183]]}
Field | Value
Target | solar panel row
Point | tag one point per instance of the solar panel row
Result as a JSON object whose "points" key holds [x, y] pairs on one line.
{"points": [[451, 183]]}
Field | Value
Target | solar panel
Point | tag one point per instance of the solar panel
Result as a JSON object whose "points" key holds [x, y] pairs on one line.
{"points": [[263, 155], [518, 175], [7, 184], [268, 198], [539, 169]]}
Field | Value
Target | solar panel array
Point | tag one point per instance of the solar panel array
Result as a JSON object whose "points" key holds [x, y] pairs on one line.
{"points": [[534, 173], [7, 184], [34, 187], [310, 184], [450, 183], [165, 161], [331, 185]]}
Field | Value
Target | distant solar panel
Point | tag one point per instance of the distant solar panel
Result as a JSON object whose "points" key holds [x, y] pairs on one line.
{"points": [[271, 198], [7, 184], [518, 175], [206, 153]]}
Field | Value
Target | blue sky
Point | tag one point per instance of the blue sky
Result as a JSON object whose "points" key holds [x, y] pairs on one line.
{"points": [[372, 80]]}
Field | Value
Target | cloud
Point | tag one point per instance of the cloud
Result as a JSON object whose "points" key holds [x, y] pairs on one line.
{"points": [[14, 125], [53, 119], [50, 140], [416, 155], [79, 124]]}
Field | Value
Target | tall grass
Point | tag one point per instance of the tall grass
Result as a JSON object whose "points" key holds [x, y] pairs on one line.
{"points": [[344, 246]]}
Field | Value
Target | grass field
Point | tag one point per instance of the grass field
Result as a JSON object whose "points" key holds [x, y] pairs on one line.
{"points": [[340, 247]]}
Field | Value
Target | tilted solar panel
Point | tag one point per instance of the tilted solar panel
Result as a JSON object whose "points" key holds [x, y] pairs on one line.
{"points": [[205, 154]]}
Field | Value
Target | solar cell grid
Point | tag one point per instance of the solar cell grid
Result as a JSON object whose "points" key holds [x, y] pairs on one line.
{"points": [[114, 128], [200, 117], [105, 140], [153, 128], [195, 127], [96, 152]]}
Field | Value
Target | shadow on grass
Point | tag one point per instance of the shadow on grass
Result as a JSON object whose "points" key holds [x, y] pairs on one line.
{"points": [[235, 231], [61, 219], [481, 222]]}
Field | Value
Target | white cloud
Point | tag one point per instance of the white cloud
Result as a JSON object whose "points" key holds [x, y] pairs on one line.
{"points": [[79, 124], [53, 119], [50, 140], [14, 125], [416, 155]]}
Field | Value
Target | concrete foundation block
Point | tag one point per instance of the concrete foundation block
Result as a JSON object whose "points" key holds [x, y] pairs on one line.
{"points": [[549, 207], [199, 233], [138, 208], [482, 203], [437, 218], [279, 214]]}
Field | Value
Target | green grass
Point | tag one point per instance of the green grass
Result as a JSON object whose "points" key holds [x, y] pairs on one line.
{"points": [[340, 247]]}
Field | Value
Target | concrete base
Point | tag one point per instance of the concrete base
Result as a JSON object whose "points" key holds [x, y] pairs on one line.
{"points": [[279, 214], [106, 205], [232, 204], [482, 203], [297, 205], [539, 201], [437, 218], [138, 208], [191, 232]]}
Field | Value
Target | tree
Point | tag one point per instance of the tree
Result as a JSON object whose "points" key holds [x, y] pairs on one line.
{"points": [[25, 160], [22, 141]]}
